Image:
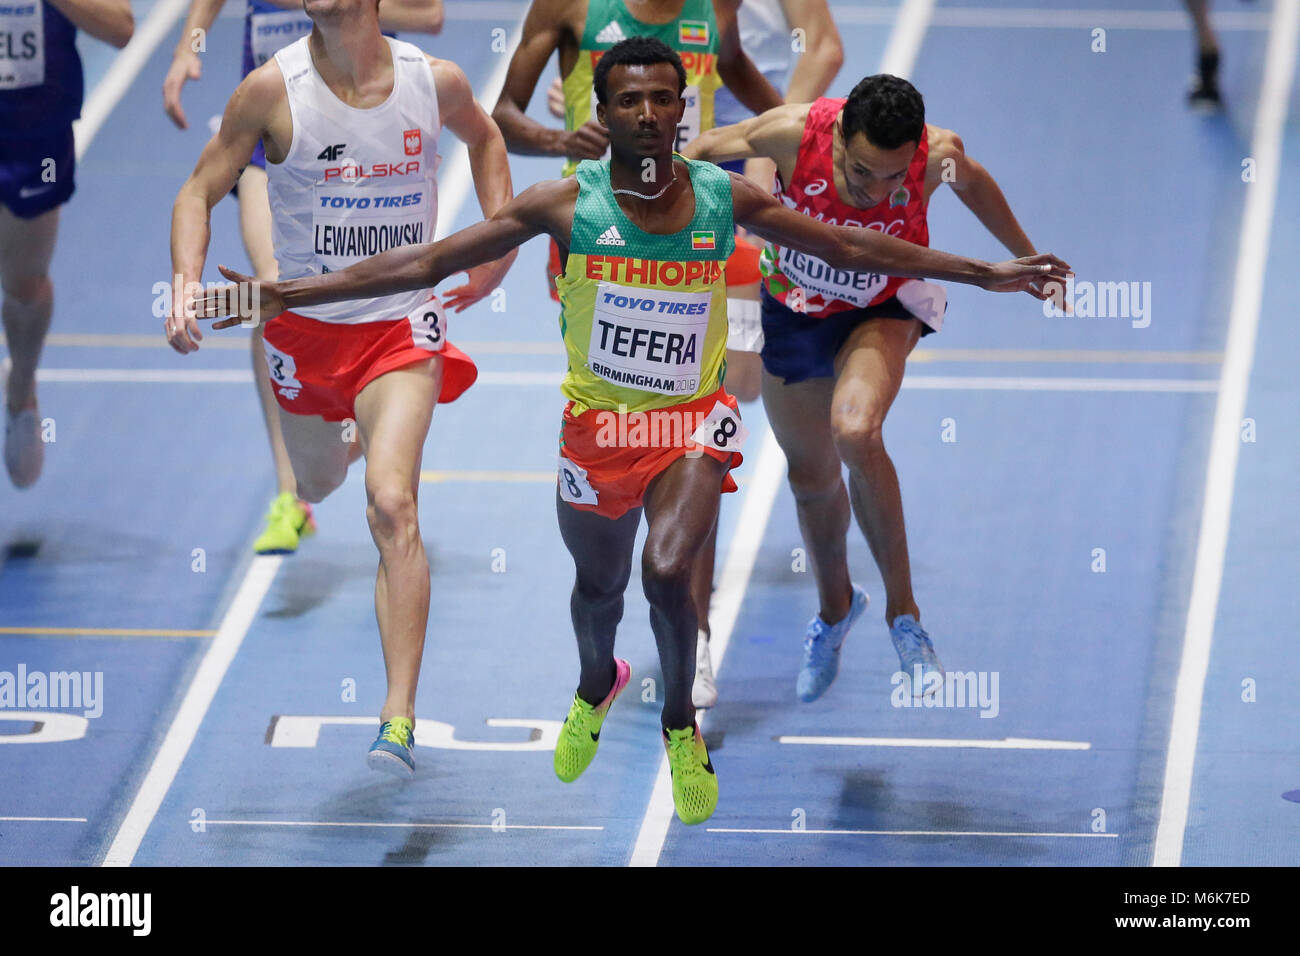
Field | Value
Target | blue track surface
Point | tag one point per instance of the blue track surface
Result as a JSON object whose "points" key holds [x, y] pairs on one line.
{"points": [[1101, 162]]}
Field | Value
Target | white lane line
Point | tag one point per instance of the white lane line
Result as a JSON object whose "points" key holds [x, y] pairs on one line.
{"points": [[126, 67], [992, 383], [458, 179], [1006, 743], [198, 697], [43, 820], [1225, 440], [905, 39], [127, 340], [920, 833], [552, 379], [741, 555], [1091, 356], [144, 376], [401, 826], [1046, 18]]}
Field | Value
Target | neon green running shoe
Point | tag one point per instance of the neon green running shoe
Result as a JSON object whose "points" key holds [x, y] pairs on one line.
{"points": [[695, 785], [580, 735], [288, 521]]}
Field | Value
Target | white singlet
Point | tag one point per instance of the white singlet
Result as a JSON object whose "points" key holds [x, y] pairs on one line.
{"points": [[355, 182]]}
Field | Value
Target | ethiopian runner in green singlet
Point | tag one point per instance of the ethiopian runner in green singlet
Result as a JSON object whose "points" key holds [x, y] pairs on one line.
{"points": [[706, 36], [647, 426]]}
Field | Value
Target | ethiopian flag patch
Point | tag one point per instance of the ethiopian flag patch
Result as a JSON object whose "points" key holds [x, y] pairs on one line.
{"points": [[702, 240], [693, 31]]}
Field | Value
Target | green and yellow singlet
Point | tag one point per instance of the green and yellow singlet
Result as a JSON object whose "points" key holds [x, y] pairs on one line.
{"points": [[694, 35], [644, 316]]}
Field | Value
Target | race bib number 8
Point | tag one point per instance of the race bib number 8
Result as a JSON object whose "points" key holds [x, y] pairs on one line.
{"points": [[574, 487], [722, 429], [22, 45]]}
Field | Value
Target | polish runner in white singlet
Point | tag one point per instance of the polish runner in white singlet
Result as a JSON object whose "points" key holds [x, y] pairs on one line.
{"points": [[268, 26], [349, 120]]}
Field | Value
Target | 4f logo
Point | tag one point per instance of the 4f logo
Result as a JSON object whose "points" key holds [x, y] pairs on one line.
{"points": [[411, 140], [331, 153]]}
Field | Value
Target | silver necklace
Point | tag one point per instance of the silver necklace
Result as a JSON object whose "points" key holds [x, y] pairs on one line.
{"points": [[633, 192]]}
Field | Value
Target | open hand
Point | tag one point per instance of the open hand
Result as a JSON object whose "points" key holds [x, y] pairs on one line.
{"points": [[1038, 275], [248, 301]]}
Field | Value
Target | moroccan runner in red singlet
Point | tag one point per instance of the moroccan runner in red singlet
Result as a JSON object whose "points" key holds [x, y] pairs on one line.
{"points": [[836, 341]]}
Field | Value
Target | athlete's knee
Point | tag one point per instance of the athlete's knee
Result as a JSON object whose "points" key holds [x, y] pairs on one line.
{"points": [[666, 573], [28, 288], [810, 483], [391, 510], [316, 488], [316, 483], [600, 582], [858, 433]]}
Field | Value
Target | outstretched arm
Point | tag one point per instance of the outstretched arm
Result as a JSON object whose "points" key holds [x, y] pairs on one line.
{"points": [[546, 207], [868, 250]]}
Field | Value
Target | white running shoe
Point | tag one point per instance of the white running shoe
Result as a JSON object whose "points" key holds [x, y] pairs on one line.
{"points": [[24, 450], [704, 693]]}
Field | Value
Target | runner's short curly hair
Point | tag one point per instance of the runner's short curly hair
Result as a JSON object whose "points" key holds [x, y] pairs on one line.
{"points": [[636, 51]]}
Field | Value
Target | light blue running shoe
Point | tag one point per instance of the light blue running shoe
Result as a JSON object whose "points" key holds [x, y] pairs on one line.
{"points": [[821, 649], [391, 751], [915, 651]]}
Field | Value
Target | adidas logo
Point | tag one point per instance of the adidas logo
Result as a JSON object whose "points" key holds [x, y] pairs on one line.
{"points": [[610, 237], [612, 33]]}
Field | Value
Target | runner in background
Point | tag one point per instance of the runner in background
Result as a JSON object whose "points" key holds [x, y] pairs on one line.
{"points": [[41, 90]]}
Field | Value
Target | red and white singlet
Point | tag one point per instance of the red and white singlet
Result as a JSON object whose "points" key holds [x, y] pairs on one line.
{"points": [[805, 283]]}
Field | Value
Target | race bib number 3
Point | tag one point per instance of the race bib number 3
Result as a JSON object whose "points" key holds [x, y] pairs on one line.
{"points": [[651, 340], [283, 370], [722, 429], [22, 45], [429, 326], [574, 487]]}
